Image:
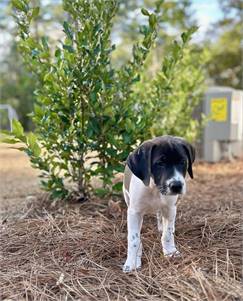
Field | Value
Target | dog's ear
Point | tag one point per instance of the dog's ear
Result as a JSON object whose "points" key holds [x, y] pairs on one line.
{"points": [[139, 161], [191, 153]]}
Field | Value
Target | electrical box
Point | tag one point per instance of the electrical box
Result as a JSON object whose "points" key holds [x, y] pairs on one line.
{"points": [[223, 134]]}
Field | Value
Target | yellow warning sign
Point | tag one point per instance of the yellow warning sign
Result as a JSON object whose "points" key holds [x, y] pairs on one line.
{"points": [[219, 109]]}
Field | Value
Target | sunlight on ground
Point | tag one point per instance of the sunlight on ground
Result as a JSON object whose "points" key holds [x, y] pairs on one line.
{"points": [[17, 178]]}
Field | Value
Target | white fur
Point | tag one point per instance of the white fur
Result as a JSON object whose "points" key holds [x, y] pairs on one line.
{"points": [[178, 177], [141, 200]]}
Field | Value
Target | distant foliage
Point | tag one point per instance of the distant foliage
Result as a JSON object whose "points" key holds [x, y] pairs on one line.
{"points": [[89, 115], [176, 90], [17, 84], [225, 45]]}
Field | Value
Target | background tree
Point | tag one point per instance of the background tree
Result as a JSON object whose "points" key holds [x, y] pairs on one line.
{"points": [[17, 84], [226, 68]]}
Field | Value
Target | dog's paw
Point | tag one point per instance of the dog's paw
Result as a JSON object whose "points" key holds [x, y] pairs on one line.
{"points": [[127, 268], [132, 266], [171, 253]]}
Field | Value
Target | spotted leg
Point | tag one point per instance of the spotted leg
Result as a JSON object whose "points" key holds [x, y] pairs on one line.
{"points": [[167, 239], [134, 251]]}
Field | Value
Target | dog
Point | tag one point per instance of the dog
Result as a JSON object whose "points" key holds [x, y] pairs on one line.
{"points": [[154, 176]]}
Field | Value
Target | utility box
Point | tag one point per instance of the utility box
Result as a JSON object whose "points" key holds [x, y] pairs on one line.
{"points": [[223, 134]]}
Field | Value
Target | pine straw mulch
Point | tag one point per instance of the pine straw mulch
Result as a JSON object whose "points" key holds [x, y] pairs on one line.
{"points": [[75, 252]]}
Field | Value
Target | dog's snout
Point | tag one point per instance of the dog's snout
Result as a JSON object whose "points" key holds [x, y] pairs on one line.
{"points": [[176, 186]]}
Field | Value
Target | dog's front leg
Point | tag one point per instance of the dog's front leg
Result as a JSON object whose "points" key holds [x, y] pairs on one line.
{"points": [[167, 239], [160, 221], [134, 251]]}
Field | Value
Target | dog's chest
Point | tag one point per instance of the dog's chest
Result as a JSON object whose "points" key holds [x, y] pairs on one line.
{"points": [[147, 201], [151, 202]]}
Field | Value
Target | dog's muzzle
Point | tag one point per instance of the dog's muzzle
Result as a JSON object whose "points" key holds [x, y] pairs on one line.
{"points": [[176, 187]]}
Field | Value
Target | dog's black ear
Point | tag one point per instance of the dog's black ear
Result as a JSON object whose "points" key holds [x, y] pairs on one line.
{"points": [[139, 161], [191, 153]]}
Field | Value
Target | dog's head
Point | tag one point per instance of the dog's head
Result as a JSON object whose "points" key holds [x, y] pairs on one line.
{"points": [[166, 160]]}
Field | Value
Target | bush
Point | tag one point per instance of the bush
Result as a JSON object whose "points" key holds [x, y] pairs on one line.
{"points": [[176, 91], [83, 108], [87, 116]]}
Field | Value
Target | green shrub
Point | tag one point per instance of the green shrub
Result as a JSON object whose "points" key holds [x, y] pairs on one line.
{"points": [[83, 108], [87, 114]]}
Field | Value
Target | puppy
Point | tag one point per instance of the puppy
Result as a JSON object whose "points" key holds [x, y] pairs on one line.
{"points": [[154, 177]]}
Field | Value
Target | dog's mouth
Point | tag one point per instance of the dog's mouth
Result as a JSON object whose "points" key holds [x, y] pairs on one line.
{"points": [[164, 189], [167, 190]]}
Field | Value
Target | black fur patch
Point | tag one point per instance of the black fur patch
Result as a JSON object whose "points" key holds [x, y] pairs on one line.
{"points": [[159, 157]]}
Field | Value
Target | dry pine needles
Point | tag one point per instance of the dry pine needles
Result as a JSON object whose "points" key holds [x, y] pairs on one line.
{"points": [[75, 252]]}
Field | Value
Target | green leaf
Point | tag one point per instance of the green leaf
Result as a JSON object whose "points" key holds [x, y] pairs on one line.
{"points": [[186, 36], [145, 12], [93, 96], [18, 4], [152, 20], [31, 43], [144, 30], [94, 124], [33, 145], [44, 41], [67, 30], [117, 186], [59, 194], [69, 48], [35, 12], [17, 129], [193, 29], [48, 77], [38, 111], [158, 5], [101, 192], [176, 50], [58, 53]]}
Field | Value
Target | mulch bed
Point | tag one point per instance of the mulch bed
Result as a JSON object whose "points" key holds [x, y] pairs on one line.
{"points": [[76, 251]]}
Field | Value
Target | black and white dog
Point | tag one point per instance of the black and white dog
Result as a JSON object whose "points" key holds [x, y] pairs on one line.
{"points": [[154, 177]]}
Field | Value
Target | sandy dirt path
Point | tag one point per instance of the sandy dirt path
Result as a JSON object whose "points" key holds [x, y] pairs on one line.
{"points": [[17, 178]]}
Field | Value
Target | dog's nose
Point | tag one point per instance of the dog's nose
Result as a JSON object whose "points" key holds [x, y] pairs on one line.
{"points": [[176, 186]]}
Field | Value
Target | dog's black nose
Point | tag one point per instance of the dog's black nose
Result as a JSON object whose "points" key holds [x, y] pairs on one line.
{"points": [[176, 186]]}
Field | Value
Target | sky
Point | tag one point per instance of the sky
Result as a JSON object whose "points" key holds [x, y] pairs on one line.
{"points": [[206, 12]]}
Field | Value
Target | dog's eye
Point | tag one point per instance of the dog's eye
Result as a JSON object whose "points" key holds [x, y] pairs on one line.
{"points": [[161, 163], [183, 162]]}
